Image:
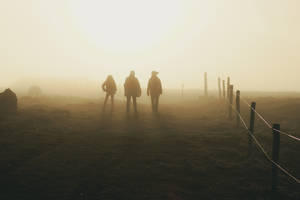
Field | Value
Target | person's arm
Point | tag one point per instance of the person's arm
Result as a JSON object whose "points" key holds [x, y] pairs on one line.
{"points": [[125, 88], [148, 88], [139, 88], [160, 87], [104, 86]]}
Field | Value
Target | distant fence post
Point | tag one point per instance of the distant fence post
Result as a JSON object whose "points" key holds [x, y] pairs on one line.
{"points": [[230, 101], [275, 157], [224, 93], [238, 107], [228, 84], [205, 84], [219, 87], [251, 129]]}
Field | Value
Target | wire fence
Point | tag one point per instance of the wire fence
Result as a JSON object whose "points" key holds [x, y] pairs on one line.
{"points": [[260, 146], [274, 159], [269, 124]]}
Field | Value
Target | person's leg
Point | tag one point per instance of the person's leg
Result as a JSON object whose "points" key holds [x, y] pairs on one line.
{"points": [[156, 103], [128, 104], [152, 103], [112, 102], [134, 104], [105, 101]]}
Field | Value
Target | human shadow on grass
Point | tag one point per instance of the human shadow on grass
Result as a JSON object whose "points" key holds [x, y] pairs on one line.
{"points": [[106, 119]]}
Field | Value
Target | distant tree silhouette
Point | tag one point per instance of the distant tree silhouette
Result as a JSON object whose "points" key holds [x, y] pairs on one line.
{"points": [[35, 91]]}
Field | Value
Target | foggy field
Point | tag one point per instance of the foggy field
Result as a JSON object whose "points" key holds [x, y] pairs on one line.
{"points": [[66, 148], [60, 60]]}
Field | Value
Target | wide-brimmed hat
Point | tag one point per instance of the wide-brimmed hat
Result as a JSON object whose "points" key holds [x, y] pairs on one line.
{"points": [[154, 72]]}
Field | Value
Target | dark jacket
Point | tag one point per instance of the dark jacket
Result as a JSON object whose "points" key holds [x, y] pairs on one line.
{"points": [[154, 86], [132, 87]]}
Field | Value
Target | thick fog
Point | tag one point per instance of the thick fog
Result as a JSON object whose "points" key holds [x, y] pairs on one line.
{"points": [[70, 46]]}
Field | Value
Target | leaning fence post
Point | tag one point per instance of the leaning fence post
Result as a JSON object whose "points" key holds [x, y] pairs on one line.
{"points": [[238, 108], [275, 157], [230, 101], [251, 129], [224, 93], [219, 87]]}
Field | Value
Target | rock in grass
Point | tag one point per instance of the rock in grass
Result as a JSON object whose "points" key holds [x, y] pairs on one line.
{"points": [[8, 102]]}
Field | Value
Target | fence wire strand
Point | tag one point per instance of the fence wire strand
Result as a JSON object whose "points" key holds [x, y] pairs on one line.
{"points": [[259, 115], [287, 134], [259, 145], [269, 124]]}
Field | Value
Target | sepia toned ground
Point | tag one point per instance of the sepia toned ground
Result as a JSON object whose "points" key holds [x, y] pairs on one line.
{"points": [[67, 148]]}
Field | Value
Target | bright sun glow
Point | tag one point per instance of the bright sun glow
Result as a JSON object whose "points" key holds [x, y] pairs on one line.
{"points": [[131, 25]]}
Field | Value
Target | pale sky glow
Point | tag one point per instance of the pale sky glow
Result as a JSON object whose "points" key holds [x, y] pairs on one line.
{"points": [[256, 42], [117, 26]]}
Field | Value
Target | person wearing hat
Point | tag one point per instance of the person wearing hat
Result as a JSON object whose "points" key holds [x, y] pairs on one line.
{"points": [[109, 86], [154, 89], [132, 90]]}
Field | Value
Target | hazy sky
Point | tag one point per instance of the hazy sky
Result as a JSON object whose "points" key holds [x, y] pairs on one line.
{"points": [[256, 42]]}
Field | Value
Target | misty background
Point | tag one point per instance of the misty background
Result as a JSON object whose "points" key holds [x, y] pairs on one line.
{"points": [[71, 46]]}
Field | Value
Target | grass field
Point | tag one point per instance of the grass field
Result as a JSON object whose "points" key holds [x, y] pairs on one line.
{"points": [[66, 148]]}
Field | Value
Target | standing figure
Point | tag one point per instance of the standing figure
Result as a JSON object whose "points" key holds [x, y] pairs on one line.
{"points": [[154, 89], [109, 86], [132, 90]]}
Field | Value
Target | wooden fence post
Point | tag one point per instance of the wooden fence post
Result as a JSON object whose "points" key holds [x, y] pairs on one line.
{"points": [[224, 93], [275, 158], [230, 101], [228, 84], [219, 87], [251, 129], [205, 84], [238, 107]]}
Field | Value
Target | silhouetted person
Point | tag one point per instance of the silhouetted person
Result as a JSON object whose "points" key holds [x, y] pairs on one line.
{"points": [[132, 90], [154, 89], [109, 86]]}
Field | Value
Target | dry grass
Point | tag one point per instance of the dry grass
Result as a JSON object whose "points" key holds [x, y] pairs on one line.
{"points": [[66, 148]]}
